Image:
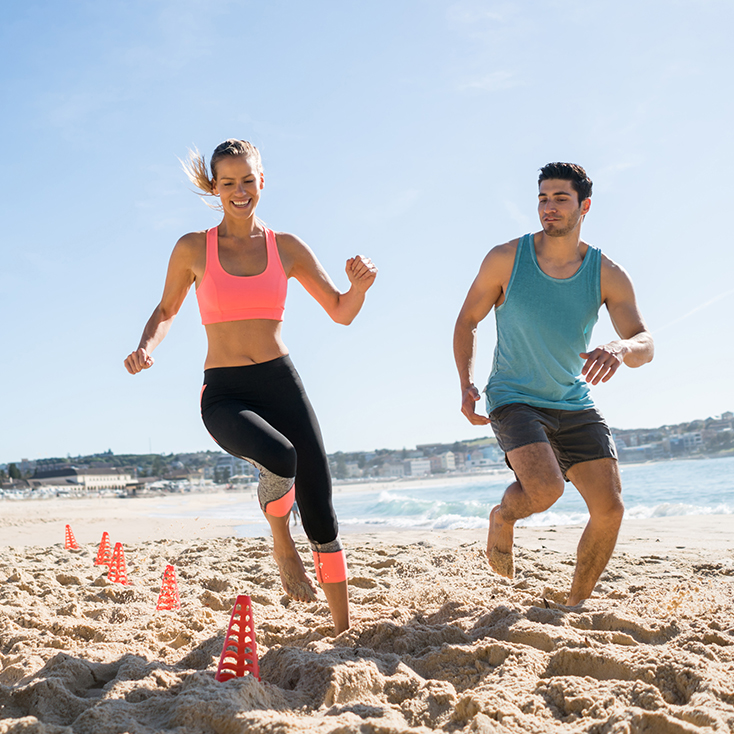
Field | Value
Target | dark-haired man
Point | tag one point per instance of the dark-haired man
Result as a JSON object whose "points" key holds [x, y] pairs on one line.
{"points": [[547, 289]]}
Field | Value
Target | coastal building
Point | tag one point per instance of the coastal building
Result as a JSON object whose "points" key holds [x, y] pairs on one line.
{"points": [[417, 467], [443, 462], [487, 457], [392, 469], [692, 441], [353, 470], [645, 452], [89, 479], [230, 467]]}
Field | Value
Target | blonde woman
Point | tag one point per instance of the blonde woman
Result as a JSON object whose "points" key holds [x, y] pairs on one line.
{"points": [[253, 402]]}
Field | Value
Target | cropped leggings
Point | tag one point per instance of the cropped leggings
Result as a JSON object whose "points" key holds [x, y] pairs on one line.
{"points": [[261, 413]]}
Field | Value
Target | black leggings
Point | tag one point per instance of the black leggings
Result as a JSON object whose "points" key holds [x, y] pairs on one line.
{"points": [[261, 413]]}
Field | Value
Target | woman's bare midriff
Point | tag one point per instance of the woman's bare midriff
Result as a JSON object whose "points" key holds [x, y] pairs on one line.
{"points": [[239, 343]]}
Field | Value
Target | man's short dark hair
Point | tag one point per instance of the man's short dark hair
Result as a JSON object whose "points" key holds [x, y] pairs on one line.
{"points": [[568, 172]]}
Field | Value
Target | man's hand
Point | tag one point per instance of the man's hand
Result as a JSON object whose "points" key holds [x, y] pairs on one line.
{"points": [[469, 398], [603, 362]]}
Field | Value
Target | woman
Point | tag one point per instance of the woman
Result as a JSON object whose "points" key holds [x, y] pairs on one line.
{"points": [[253, 403]]}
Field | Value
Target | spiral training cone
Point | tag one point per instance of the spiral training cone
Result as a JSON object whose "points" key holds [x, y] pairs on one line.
{"points": [[239, 654], [168, 598], [104, 554], [69, 539], [117, 572]]}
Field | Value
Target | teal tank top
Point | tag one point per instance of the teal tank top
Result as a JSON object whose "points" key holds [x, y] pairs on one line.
{"points": [[542, 325]]}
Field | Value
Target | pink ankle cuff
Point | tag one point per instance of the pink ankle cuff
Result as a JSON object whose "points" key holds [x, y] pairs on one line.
{"points": [[330, 567], [281, 507]]}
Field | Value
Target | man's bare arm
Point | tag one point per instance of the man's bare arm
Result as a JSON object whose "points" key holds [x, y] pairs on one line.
{"points": [[635, 347], [486, 290]]}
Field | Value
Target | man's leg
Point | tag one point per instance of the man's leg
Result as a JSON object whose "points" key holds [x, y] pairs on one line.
{"points": [[538, 485], [600, 485]]}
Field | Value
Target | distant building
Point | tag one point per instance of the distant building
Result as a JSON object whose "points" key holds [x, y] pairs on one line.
{"points": [[392, 469], [353, 470], [25, 466], [230, 468], [443, 462], [417, 467], [487, 457], [692, 441], [646, 452], [94, 479]]}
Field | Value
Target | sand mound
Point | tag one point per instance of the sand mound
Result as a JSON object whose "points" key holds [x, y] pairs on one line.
{"points": [[439, 643]]}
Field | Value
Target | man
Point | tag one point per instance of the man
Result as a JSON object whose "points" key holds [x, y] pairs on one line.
{"points": [[547, 289]]}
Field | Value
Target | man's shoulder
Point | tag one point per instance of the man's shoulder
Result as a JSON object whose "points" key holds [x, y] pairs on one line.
{"points": [[506, 250], [610, 268], [615, 280]]}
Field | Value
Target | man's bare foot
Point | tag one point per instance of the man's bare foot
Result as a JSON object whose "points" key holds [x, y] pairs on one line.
{"points": [[573, 601], [499, 545], [293, 576]]}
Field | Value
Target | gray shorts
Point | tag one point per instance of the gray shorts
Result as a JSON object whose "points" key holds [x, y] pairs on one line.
{"points": [[574, 435]]}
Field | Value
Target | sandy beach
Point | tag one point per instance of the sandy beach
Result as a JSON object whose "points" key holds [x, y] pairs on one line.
{"points": [[438, 643]]}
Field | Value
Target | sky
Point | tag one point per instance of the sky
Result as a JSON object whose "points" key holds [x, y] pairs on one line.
{"points": [[410, 132]]}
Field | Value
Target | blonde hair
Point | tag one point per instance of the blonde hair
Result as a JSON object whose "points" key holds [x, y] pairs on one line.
{"points": [[198, 173]]}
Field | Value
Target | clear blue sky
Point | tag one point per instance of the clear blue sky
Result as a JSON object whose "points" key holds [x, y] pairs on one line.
{"points": [[407, 131]]}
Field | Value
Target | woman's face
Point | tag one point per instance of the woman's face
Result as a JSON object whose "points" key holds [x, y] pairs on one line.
{"points": [[238, 185]]}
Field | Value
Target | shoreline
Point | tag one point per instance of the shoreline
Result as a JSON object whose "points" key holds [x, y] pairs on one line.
{"points": [[41, 522]]}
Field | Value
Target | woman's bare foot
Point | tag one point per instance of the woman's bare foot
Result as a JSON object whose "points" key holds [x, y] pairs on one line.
{"points": [[293, 575], [499, 544]]}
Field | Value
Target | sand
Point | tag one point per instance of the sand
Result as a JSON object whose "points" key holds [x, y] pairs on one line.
{"points": [[438, 643]]}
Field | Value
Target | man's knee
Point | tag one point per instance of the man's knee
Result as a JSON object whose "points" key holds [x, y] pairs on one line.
{"points": [[615, 511], [610, 511], [538, 473], [544, 491]]}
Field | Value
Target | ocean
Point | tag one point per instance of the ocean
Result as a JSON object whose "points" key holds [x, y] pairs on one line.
{"points": [[657, 489]]}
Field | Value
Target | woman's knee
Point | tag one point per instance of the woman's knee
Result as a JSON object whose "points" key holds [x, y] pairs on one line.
{"points": [[285, 460], [278, 457]]}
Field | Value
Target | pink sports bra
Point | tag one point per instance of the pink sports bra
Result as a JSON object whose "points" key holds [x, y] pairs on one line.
{"points": [[225, 297]]}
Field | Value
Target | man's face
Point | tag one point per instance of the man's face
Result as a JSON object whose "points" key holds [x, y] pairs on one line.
{"points": [[558, 207]]}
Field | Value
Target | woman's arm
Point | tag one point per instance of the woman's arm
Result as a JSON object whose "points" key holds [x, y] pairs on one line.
{"points": [[179, 278], [300, 263]]}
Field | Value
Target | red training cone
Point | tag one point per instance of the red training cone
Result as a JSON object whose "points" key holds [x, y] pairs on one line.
{"points": [[168, 598], [239, 654], [104, 554], [117, 572], [70, 540]]}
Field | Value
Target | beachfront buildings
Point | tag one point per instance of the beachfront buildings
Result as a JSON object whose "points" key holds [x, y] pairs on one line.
{"points": [[108, 472], [88, 479]]}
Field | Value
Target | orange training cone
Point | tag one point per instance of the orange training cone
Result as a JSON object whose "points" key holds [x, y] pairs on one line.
{"points": [[117, 572], [168, 598], [70, 540], [239, 654], [104, 554]]}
